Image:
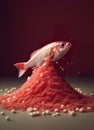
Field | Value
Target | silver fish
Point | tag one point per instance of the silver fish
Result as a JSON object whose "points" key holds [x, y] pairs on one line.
{"points": [[51, 52]]}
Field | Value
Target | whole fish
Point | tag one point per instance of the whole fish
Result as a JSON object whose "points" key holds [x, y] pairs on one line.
{"points": [[51, 52]]}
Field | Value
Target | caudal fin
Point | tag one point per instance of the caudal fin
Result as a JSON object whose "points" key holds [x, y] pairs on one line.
{"points": [[21, 68]]}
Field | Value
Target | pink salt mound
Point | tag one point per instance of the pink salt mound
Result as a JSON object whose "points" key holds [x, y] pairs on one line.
{"points": [[45, 89]]}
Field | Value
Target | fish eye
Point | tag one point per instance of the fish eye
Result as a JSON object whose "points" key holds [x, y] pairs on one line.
{"points": [[62, 44]]}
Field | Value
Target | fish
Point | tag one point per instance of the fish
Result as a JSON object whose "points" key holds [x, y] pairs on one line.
{"points": [[51, 52]]}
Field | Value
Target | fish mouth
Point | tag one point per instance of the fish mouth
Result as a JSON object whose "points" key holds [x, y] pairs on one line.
{"points": [[68, 45]]}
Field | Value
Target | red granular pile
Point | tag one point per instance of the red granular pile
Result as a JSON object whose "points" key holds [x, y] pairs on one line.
{"points": [[45, 89]]}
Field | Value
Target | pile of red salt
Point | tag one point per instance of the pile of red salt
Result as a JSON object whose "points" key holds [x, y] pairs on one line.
{"points": [[45, 89]]}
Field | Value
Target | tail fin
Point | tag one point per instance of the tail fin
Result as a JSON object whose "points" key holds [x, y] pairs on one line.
{"points": [[21, 68]]}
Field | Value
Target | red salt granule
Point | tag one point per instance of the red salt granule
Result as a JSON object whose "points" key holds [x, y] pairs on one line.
{"points": [[45, 89]]}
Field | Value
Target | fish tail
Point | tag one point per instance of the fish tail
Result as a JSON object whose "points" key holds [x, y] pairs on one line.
{"points": [[21, 67]]}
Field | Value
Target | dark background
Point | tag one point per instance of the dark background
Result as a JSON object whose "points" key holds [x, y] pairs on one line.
{"points": [[27, 26]]}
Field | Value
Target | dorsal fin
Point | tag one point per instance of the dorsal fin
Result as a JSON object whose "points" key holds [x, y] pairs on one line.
{"points": [[34, 52]]}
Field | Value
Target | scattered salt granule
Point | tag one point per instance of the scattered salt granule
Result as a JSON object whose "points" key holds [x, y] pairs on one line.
{"points": [[77, 89], [81, 109], [13, 111], [37, 81], [56, 62], [56, 110], [91, 94], [9, 98], [6, 89], [3, 101], [72, 113], [29, 109], [11, 89], [14, 96], [41, 75], [14, 88], [7, 118], [77, 109], [28, 78], [44, 64], [8, 101], [30, 113], [1, 90], [60, 67], [34, 114], [43, 113], [35, 109], [28, 89], [89, 108], [80, 91], [23, 101], [5, 94], [47, 112], [62, 106], [2, 113], [65, 110], [84, 93], [56, 114], [38, 112]]}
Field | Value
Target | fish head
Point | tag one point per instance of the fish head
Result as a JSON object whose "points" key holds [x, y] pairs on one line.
{"points": [[64, 47], [61, 48]]}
